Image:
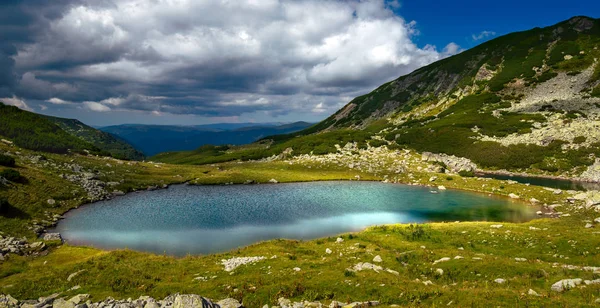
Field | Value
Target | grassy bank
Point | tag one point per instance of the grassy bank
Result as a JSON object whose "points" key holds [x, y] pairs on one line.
{"points": [[547, 245]]}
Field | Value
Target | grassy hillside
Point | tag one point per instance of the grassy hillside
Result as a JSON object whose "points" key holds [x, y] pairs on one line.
{"points": [[107, 142], [35, 132]]}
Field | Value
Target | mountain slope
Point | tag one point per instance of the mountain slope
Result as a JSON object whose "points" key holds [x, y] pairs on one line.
{"points": [[107, 142], [32, 131], [57, 135], [527, 101], [532, 56], [153, 139]]}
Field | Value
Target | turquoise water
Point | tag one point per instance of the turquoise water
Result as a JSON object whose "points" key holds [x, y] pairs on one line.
{"points": [[546, 182], [207, 219]]}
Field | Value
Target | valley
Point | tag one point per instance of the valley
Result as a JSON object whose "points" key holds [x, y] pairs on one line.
{"points": [[527, 103]]}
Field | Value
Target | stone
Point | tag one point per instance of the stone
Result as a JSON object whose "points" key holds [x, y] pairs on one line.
{"points": [[51, 201], [73, 275], [79, 298], [151, 305], [532, 292], [51, 237], [8, 301], [297, 269], [328, 251], [233, 263], [496, 226], [565, 284], [441, 187], [377, 259], [339, 240], [187, 301], [433, 178], [274, 181], [499, 280], [61, 303], [366, 266], [439, 271], [520, 259], [38, 246], [229, 303], [445, 259], [589, 225], [513, 196]]}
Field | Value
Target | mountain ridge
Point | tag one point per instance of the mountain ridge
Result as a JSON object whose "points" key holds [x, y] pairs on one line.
{"points": [[154, 139]]}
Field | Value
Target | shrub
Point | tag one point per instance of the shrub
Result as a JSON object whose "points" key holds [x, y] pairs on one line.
{"points": [[12, 175], [579, 139], [466, 173], [6, 161], [3, 204]]}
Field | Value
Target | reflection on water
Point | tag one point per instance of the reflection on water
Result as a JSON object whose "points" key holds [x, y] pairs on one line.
{"points": [[546, 182], [207, 219]]}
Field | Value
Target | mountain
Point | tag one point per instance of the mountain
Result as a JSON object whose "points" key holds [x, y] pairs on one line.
{"points": [[153, 139], [56, 135], [107, 142], [527, 101]]}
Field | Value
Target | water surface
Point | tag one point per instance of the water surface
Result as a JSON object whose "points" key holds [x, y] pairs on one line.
{"points": [[546, 182], [207, 219]]}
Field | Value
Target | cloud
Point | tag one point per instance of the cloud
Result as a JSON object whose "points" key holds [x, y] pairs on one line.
{"points": [[58, 101], [17, 102], [483, 35], [210, 58], [94, 106]]}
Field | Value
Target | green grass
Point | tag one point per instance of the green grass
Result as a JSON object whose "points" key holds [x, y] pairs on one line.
{"points": [[323, 277], [32, 131]]}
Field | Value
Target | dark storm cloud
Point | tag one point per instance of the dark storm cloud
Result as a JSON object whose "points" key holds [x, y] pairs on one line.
{"points": [[212, 58]]}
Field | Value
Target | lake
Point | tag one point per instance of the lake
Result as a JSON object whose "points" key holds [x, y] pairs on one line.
{"points": [[546, 182], [208, 219]]}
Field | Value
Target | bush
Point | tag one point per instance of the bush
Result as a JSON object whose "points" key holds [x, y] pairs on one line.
{"points": [[3, 204], [465, 173], [6, 161], [12, 175]]}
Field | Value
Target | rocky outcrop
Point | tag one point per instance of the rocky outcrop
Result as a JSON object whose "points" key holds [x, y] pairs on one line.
{"points": [[10, 245], [171, 301], [231, 264], [453, 163], [592, 174]]}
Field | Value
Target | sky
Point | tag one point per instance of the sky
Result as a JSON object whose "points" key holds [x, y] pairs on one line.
{"points": [[185, 62]]}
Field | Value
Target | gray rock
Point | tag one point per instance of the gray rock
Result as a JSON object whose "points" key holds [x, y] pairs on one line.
{"points": [[566, 284], [61, 303], [229, 303], [79, 298], [51, 237]]}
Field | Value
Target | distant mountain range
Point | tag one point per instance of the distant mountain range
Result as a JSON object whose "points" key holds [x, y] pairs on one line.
{"points": [[154, 139]]}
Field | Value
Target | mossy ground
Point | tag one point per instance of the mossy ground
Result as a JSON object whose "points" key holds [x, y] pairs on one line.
{"points": [[406, 249]]}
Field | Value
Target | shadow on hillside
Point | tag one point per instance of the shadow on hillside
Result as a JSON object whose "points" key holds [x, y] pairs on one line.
{"points": [[9, 211]]}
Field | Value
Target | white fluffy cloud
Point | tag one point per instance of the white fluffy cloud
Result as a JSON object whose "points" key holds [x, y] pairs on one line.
{"points": [[15, 101], [94, 106], [220, 58]]}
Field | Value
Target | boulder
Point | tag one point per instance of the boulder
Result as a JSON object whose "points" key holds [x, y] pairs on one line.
{"points": [[187, 301], [51, 237], [566, 284], [61, 303], [229, 303]]}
